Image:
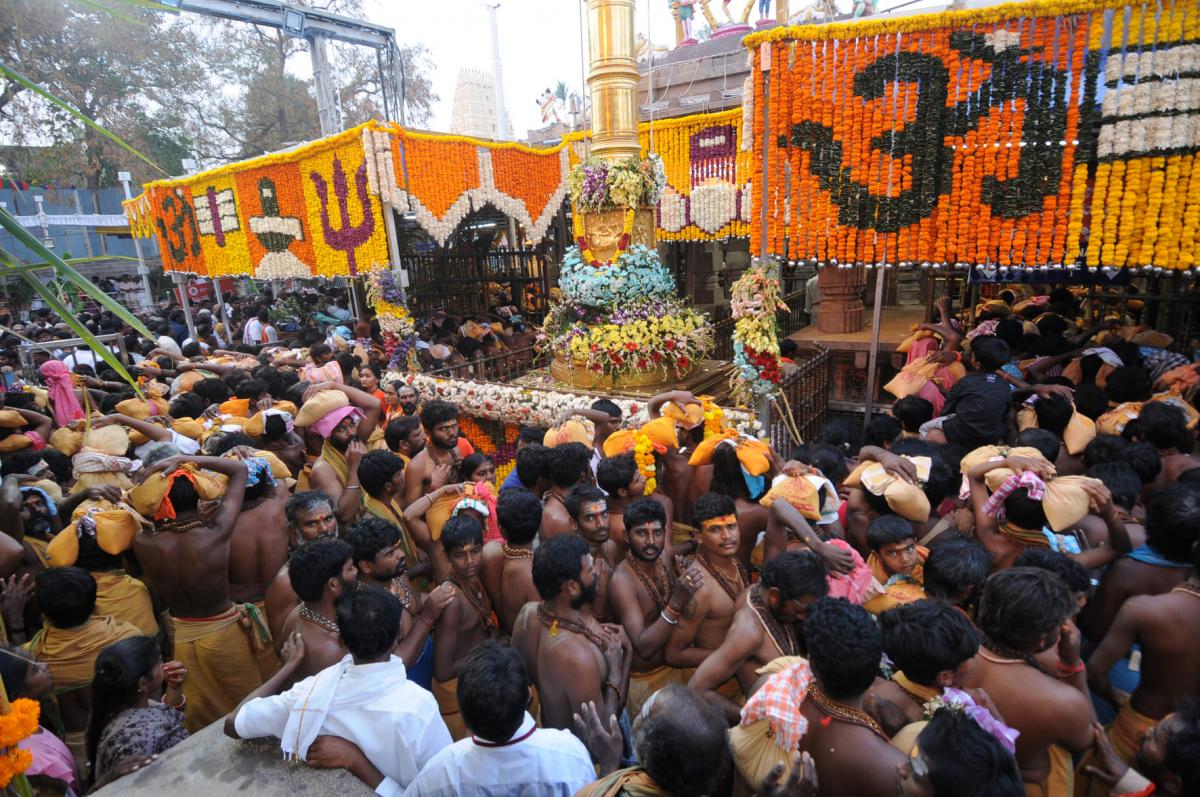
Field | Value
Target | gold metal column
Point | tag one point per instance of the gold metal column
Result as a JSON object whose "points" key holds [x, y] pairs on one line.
{"points": [[613, 79]]}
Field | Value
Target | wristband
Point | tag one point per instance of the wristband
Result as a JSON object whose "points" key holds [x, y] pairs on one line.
{"points": [[424, 622], [1071, 669], [663, 615]]}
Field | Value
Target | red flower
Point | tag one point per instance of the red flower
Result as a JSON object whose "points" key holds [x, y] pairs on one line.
{"points": [[623, 243], [616, 358], [670, 344], [597, 368], [582, 242], [657, 358], [642, 364], [630, 345], [684, 362], [633, 408]]}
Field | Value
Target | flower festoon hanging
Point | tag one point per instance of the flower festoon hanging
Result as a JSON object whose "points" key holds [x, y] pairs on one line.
{"points": [[971, 137], [754, 299], [396, 324]]}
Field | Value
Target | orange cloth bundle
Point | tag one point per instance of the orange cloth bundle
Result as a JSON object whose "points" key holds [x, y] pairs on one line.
{"points": [[754, 455], [660, 431]]}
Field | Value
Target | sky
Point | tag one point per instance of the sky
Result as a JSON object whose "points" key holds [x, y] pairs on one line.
{"points": [[539, 42]]}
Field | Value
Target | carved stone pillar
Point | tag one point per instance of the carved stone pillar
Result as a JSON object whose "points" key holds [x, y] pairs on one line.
{"points": [[841, 308]]}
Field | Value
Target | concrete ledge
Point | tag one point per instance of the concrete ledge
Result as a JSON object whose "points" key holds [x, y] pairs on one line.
{"points": [[210, 764]]}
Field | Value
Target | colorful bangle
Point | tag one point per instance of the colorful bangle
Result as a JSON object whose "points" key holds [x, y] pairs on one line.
{"points": [[1071, 669]]}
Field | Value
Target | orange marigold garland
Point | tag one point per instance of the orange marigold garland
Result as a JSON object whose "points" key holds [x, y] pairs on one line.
{"points": [[19, 723]]}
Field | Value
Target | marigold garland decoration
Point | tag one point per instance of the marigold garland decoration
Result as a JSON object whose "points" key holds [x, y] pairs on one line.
{"points": [[754, 299], [974, 137], [19, 723], [396, 324]]}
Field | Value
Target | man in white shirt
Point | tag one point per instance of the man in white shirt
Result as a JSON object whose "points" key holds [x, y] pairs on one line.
{"points": [[366, 698], [507, 754]]}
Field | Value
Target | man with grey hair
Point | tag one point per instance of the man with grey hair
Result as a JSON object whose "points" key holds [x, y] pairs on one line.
{"points": [[311, 515]]}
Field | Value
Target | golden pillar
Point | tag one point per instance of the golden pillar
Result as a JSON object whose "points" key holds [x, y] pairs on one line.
{"points": [[613, 79]]}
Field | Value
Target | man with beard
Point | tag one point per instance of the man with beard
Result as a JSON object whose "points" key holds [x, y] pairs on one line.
{"points": [[704, 629], [649, 595], [345, 417], [588, 510], [506, 568], [404, 437], [380, 556], [433, 467], [1167, 760], [310, 516], [571, 657], [765, 626], [407, 399], [186, 563], [29, 519], [321, 573], [467, 620]]}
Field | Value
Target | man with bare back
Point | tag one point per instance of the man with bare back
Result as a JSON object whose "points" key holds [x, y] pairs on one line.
{"points": [[507, 567]]}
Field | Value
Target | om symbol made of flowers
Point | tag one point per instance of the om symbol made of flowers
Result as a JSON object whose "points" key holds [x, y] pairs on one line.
{"points": [[923, 139]]}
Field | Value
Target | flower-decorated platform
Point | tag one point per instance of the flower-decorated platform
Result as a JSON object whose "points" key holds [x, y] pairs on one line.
{"points": [[710, 377]]}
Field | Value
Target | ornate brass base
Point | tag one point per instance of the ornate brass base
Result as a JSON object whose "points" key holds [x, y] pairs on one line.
{"points": [[565, 371], [604, 229], [709, 377]]}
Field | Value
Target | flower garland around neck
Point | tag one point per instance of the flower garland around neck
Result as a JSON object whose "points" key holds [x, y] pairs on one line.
{"points": [[643, 455], [585, 248], [714, 417]]}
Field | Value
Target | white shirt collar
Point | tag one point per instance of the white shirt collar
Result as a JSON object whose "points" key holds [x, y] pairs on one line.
{"points": [[523, 732]]}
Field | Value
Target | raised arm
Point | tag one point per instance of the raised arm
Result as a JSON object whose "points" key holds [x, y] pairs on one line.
{"points": [[740, 643], [371, 407], [681, 398], [150, 430], [10, 508], [231, 502], [787, 517], [43, 425]]}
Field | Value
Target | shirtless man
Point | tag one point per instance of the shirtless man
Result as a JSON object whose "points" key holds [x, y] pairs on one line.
{"points": [[466, 621], [1023, 612], [336, 470], [1167, 627], [725, 476], [1172, 529], [506, 568], [572, 658], [649, 595], [186, 561], [851, 751], [404, 437], [676, 472], [1165, 427], [310, 516], [765, 626], [259, 546], [698, 635], [433, 467], [1124, 486], [321, 573], [622, 479], [380, 560], [588, 510], [570, 465]]}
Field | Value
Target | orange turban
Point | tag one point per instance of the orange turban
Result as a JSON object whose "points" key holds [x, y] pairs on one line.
{"points": [[754, 455], [660, 431], [152, 497]]}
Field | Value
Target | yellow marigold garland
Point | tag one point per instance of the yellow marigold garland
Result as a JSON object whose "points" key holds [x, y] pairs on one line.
{"points": [[643, 455]]}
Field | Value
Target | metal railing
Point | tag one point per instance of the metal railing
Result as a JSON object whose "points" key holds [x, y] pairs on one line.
{"points": [[497, 368], [807, 392]]}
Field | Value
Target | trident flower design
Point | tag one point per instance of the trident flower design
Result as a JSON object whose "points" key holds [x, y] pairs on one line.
{"points": [[349, 236]]}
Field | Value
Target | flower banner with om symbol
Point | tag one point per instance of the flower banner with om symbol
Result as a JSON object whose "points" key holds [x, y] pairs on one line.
{"points": [[984, 137]]}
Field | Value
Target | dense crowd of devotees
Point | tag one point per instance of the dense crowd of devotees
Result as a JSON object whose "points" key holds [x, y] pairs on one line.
{"points": [[993, 592]]}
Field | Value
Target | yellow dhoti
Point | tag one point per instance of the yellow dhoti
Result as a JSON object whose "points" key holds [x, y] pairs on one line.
{"points": [[221, 656], [644, 684], [1061, 780], [447, 700], [1126, 736], [755, 753], [126, 598]]}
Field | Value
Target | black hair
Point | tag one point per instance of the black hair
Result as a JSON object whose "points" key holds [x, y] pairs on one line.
{"points": [[684, 747], [1173, 520], [1145, 461], [615, 473], [1053, 414], [305, 501], [369, 622], [15, 666], [1090, 401], [187, 405], [1128, 383], [519, 513], [369, 536], [645, 510], [461, 531], [711, 505], [1073, 574], [569, 462], [66, 595], [608, 406], [1121, 480], [230, 440], [20, 462], [888, 530], [727, 477], [557, 561], [1020, 607], [912, 412], [472, 463], [436, 412], [1189, 476], [533, 465], [212, 390], [1046, 442], [844, 646], [582, 494], [1106, 448], [1181, 750], [531, 434], [400, 429], [830, 461], [1165, 426], [272, 378], [119, 669], [376, 469], [311, 566], [882, 431], [927, 637], [95, 559], [251, 389], [963, 758], [836, 434], [59, 463], [1012, 332], [1025, 512], [796, 574], [956, 569], [493, 691], [990, 352], [319, 350]]}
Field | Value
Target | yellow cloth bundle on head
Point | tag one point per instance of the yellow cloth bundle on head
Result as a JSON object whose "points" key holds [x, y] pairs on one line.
{"points": [[917, 334], [113, 530], [906, 500], [797, 491], [110, 440], [1115, 420], [660, 431], [753, 455], [188, 427], [568, 432], [1080, 430], [11, 419], [321, 405], [689, 417], [140, 410], [911, 378], [151, 498], [237, 407]]}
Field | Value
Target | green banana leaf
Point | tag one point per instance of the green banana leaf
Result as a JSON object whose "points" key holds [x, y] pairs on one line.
{"points": [[64, 312], [64, 269], [25, 82]]}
